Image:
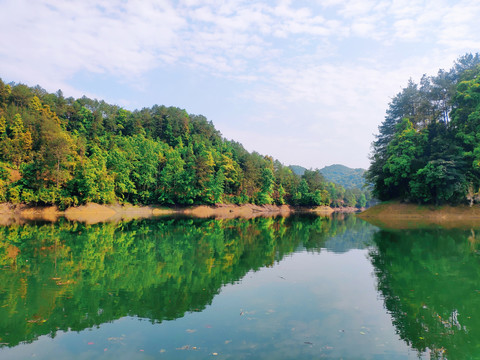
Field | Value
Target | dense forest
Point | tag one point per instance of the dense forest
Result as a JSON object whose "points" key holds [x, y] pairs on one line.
{"points": [[66, 151], [345, 176], [428, 146]]}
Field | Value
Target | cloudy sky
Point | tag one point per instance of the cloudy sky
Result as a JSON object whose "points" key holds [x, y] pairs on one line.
{"points": [[306, 81]]}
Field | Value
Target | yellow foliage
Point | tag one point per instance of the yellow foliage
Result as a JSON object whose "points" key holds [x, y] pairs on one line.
{"points": [[36, 104]]}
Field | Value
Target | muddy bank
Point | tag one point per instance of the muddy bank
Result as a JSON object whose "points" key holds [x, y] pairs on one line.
{"points": [[232, 211], [90, 213], [396, 215], [95, 213]]}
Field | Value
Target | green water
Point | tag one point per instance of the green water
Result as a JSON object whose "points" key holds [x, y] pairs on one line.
{"points": [[265, 288]]}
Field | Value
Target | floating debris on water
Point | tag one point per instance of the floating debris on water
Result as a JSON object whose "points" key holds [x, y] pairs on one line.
{"points": [[186, 347]]}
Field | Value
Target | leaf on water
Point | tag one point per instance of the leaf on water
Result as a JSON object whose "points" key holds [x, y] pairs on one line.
{"points": [[361, 332], [116, 339], [191, 331], [90, 343], [214, 354], [184, 347], [308, 343], [228, 341]]}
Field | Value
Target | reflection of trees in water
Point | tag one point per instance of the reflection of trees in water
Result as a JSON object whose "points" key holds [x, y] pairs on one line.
{"points": [[430, 282], [73, 276]]}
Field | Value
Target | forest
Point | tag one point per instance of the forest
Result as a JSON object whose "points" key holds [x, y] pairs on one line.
{"points": [[428, 146], [67, 152]]}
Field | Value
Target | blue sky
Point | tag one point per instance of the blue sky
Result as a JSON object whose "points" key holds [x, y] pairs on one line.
{"points": [[305, 81]]}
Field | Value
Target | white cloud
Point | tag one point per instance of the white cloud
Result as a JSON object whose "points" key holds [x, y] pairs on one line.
{"points": [[63, 38], [315, 71]]}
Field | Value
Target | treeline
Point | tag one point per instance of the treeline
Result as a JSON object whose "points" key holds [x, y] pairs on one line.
{"points": [[66, 151], [428, 146]]}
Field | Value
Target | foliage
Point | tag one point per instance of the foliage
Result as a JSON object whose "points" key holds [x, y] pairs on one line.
{"points": [[428, 147], [66, 151], [345, 176]]}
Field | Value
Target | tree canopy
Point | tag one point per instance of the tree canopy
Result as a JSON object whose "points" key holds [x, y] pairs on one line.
{"points": [[66, 151], [428, 146]]}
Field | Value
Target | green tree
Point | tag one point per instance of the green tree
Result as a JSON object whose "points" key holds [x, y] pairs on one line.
{"points": [[362, 201], [3, 127], [439, 181], [92, 180], [267, 186], [403, 151], [281, 195], [20, 143], [466, 122], [170, 184]]}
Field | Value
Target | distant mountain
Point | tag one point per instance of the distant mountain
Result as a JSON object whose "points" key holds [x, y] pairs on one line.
{"points": [[298, 170], [347, 177]]}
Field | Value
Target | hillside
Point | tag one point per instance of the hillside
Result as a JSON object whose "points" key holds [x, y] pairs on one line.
{"points": [[340, 174], [68, 152], [297, 169], [345, 176]]}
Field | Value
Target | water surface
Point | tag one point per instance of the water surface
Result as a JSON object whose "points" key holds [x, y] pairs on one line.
{"points": [[265, 288]]}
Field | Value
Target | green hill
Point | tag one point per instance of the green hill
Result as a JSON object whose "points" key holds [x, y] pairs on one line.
{"points": [[297, 169], [347, 177], [69, 152]]}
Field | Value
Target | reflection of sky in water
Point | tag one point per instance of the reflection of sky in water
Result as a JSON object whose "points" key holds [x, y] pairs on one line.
{"points": [[307, 306]]}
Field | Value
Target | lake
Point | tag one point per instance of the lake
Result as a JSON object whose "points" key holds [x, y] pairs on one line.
{"points": [[300, 287]]}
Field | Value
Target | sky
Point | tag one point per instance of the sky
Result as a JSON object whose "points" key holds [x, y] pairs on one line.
{"points": [[304, 81]]}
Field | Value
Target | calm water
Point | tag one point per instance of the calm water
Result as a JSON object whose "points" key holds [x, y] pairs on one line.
{"points": [[276, 288]]}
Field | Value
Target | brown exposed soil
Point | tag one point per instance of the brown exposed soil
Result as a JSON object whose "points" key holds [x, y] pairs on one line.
{"points": [[395, 215], [90, 213], [19, 214], [94, 213], [233, 211]]}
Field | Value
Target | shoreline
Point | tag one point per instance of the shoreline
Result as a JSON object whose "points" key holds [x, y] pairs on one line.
{"points": [[92, 213], [395, 215]]}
